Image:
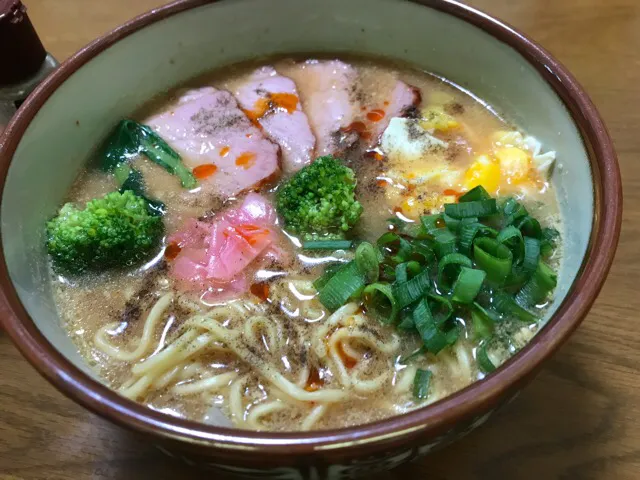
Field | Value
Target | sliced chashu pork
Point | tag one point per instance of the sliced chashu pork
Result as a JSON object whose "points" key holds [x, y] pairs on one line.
{"points": [[401, 100], [339, 111], [227, 152], [326, 88], [272, 100]]}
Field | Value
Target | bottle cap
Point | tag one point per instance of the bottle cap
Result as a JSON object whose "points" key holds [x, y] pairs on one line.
{"points": [[21, 51]]}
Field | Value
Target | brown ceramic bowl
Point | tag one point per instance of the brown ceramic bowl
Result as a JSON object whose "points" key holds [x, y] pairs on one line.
{"points": [[55, 130]]}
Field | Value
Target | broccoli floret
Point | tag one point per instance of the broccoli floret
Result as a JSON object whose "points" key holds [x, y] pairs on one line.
{"points": [[319, 200], [114, 231]]}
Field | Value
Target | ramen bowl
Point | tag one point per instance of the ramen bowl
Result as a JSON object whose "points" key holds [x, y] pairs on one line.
{"points": [[44, 148]]}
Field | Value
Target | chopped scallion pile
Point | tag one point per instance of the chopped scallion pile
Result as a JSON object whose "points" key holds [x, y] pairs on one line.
{"points": [[481, 261]]}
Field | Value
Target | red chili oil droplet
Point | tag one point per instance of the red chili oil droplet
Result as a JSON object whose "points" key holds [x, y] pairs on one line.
{"points": [[172, 251], [314, 382], [224, 151], [260, 290], [450, 191], [204, 171], [259, 109], [375, 115], [347, 361], [356, 126], [246, 160], [374, 154], [287, 101]]}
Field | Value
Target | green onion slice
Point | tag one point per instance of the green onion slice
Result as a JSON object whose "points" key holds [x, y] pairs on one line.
{"points": [[468, 232], [431, 223], [476, 208], [450, 222], [546, 248], [421, 384], [387, 272], [548, 243], [380, 302], [444, 242], [494, 258], [367, 261], [422, 251], [513, 210], [452, 335], [329, 272], [550, 234], [506, 304], [408, 292], [406, 271], [484, 362], [406, 321], [449, 269], [483, 324], [389, 243], [413, 268], [511, 237], [410, 229], [398, 249], [531, 256], [433, 338], [468, 284], [346, 282], [327, 245], [529, 227], [440, 307], [401, 273], [537, 289], [475, 194], [404, 251]]}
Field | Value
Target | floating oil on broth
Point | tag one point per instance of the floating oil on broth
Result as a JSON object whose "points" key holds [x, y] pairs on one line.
{"points": [[187, 333]]}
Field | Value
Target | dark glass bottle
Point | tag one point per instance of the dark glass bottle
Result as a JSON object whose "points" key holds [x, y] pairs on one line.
{"points": [[24, 62]]}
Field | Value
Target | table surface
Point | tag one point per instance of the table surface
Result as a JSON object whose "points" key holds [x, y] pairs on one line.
{"points": [[577, 420]]}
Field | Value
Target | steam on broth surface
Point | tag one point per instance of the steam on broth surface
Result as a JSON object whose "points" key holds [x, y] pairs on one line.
{"points": [[222, 322]]}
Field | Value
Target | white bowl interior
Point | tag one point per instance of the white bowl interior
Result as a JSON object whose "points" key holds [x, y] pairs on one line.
{"points": [[122, 78]]}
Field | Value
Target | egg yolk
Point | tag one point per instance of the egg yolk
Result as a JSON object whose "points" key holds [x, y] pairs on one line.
{"points": [[515, 164], [484, 171], [507, 138], [435, 118]]}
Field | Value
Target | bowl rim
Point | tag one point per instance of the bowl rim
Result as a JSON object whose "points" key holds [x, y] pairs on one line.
{"points": [[430, 420]]}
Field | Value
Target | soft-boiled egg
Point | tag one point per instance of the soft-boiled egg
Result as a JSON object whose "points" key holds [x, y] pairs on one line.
{"points": [[542, 162], [436, 119], [483, 171], [418, 170], [506, 168], [405, 140], [420, 178], [515, 164]]}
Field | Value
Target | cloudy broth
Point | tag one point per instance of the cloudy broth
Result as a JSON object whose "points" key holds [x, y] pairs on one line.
{"points": [[274, 339]]}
